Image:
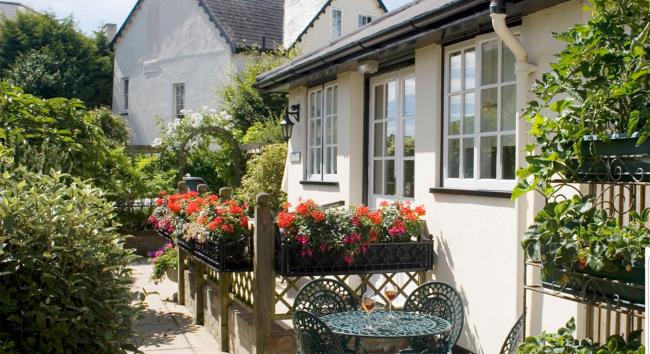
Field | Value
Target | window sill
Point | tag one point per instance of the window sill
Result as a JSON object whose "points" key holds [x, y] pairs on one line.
{"points": [[319, 183], [472, 192]]}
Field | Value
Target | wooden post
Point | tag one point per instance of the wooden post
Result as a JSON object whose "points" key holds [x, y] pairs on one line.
{"points": [[202, 188], [198, 271], [225, 193], [182, 188], [264, 281]]}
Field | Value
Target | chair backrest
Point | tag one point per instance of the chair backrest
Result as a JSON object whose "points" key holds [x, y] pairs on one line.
{"points": [[313, 336], [440, 300], [515, 337], [324, 296]]}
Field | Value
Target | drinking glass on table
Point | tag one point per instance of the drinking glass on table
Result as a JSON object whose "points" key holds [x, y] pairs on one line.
{"points": [[390, 292], [368, 304]]}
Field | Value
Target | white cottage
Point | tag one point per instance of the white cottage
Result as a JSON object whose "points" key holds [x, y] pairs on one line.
{"points": [[175, 54], [422, 104], [10, 9]]}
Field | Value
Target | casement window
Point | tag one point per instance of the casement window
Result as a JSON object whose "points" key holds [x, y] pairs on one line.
{"points": [[125, 89], [322, 134], [480, 115], [179, 99], [364, 20], [337, 24]]}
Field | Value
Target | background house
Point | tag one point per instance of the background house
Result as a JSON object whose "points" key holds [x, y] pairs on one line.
{"points": [[175, 54], [422, 105], [9, 9]]}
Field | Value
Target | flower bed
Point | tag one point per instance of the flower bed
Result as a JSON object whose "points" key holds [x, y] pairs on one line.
{"points": [[357, 240], [213, 230]]}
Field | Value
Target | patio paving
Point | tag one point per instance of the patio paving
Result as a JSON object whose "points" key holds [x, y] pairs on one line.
{"points": [[165, 326]]}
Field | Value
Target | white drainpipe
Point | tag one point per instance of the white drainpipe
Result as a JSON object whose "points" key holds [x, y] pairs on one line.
{"points": [[525, 206]]}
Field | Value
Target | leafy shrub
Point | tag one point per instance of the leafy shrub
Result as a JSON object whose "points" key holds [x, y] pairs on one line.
{"points": [[598, 86], [66, 281], [163, 259], [115, 127], [264, 174], [265, 132], [564, 341]]}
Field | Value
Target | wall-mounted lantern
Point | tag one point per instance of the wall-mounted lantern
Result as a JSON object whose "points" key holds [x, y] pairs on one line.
{"points": [[287, 123]]}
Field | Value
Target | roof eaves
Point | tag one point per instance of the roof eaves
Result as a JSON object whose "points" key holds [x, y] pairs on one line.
{"points": [[125, 23], [220, 27]]}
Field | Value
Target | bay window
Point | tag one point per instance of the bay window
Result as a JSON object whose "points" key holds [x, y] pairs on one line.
{"points": [[480, 114]]}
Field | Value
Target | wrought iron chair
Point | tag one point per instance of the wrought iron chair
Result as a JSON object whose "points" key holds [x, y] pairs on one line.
{"points": [[324, 296], [313, 336], [440, 300], [515, 337]]}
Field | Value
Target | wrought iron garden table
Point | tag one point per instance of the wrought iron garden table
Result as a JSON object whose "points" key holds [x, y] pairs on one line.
{"points": [[407, 325]]}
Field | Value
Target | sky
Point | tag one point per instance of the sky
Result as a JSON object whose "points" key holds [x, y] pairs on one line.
{"points": [[92, 14]]}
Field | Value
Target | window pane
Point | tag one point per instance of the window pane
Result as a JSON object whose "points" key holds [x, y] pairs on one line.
{"points": [[391, 99], [335, 101], [378, 173], [312, 104], [335, 132], [507, 65], [488, 153], [328, 160], [328, 101], [336, 23], [508, 155], [489, 62], [454, 72], [391, 132], [454, 158], [454, 115], [409, 97], [334, 160], [379, 102], [468, 158], [319, 103], [318, 132], [379, 139], [389, 188], [508, 110], [489, 110], [317, 162], [468, 120], [470, 69], [312, 137], [409, 137], [409, 179], [328, 131]]}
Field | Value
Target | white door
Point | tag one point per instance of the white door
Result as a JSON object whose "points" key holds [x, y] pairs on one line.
{"points": [[392, 137]]}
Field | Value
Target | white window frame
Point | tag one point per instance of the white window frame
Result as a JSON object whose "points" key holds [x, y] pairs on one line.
{"points": [[328, 117], [178, 113], [126, 82], [475, 183], [363, 16], [334, 36]]}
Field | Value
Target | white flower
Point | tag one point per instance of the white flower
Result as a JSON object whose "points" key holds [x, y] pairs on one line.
{"points": [[157, 142]]}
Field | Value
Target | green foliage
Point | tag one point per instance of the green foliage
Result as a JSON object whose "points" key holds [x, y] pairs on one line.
{"points": [[264, 174], [165, 258], [599, 85], [264, 132], [115, 127], [245, 102], [575, 232], [50, 58], [64, 269], [564, 341]]}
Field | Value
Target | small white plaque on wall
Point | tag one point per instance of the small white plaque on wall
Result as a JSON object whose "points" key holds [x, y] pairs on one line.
{"points": [[294, 157]]}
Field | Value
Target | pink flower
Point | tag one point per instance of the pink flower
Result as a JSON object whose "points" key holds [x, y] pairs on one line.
{"points": [[348, 258], [159, 253], [306, 252], [302, 239], [397, 229], [152, 220]]}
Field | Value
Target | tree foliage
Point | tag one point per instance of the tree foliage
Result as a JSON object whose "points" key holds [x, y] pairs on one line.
{"points": [[50, 58], [265, 173]]}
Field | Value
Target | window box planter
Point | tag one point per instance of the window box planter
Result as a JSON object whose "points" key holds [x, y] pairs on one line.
{"points": [[413, 256], [619, 159], [165, 235], [592, 285], [226, 256]]}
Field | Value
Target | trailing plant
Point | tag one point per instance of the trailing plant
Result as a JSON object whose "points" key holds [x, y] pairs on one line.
{"points": [[564, 341], [65, 274], [349, 230], [575, 234], [599, 85], [163, 259]]}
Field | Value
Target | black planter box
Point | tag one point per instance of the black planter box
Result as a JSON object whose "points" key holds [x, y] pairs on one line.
{"points": [[226, 256], [412, 256], [165, 235], [589, 285], [618, 159]]}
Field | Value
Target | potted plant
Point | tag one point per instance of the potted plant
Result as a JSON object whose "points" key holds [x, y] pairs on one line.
{"points": [[591, 119], [165, 263], [564, 341], [312, 241], [573, 238]]}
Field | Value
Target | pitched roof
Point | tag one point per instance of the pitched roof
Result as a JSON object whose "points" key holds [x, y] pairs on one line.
{"points": [[243, 23], [320, 12]]}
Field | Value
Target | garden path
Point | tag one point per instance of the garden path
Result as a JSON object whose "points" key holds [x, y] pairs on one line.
{"points": [[167, 327]]}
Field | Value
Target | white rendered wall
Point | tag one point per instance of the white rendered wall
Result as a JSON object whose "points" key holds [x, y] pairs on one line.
{"points": [[168, 42], [318, 36], [297, 15]]}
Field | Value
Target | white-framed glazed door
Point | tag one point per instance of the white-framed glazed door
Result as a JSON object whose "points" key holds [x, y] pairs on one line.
{"points": [[391, 169]]}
